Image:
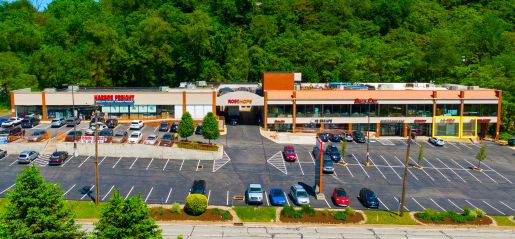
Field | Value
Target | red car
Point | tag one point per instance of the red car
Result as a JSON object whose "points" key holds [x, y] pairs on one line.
{"points": [[289, 153], [340, 197]]}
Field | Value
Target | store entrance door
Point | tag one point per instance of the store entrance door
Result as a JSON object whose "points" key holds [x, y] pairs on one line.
{"points": [[392, 129], [245, 115]]}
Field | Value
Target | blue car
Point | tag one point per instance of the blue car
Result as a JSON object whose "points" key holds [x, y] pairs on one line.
{"points": [[277, 197]]}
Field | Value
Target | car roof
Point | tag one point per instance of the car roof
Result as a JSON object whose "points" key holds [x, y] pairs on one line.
{"points": [[275, 189], [289, 147], [152, 135], [298, 187], [339, 189], [25, 152]]}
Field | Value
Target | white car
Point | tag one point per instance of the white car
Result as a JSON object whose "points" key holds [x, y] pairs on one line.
{"points": [[12, 122], [136, 124], [91, 130], [436, 141], [151, 139], [254, 194], [299, 195], [135, 137]]}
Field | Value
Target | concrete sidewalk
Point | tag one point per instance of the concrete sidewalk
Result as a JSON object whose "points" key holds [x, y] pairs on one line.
{"points": [[214, 231]]}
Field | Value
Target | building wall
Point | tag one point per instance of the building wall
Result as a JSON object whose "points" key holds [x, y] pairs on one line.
{"points": [[278, 81], [28, 98]]}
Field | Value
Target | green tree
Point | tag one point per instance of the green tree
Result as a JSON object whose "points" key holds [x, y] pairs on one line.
{"points": [[420, 154], [126, 218], [36, 209], [186, 126], [210, 128], [481, 155]]}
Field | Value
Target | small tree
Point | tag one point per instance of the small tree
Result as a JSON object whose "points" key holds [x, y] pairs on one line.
{"points": [[420, 154], [126, 218], [36, 209], [481, 155], [186, 126], [210, 128], [344, 148]]}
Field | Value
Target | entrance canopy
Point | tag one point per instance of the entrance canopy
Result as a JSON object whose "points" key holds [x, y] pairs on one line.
{"points": [[240, 98]]}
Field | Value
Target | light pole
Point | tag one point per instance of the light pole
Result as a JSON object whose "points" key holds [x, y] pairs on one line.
{"points": [[367, 163], [401, 210], [74, 117], [96, 155]]}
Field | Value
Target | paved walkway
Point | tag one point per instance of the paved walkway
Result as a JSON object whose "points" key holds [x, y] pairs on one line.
{"points": [[215, 231]]}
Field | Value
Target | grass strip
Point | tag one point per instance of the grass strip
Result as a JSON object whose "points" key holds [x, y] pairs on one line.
{"points": [[84, 209], [388, 217], [503, 220], [255, 214]]}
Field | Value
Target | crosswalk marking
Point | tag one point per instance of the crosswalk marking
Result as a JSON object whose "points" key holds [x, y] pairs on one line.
{"points": [[219, 163], [42, 160], [277, 161]]}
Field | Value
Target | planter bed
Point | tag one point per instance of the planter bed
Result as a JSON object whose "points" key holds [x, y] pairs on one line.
{"points": [[467, 217], [162, 214], [325, 218], [484, 220]]}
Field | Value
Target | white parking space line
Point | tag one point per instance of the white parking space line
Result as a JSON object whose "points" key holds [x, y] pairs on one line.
{"points": [[84, 161], [394, 197], [348, 169], [420, 205], [266, 198], [466, 146], [451, 170], [402, 141], [375, 165], [453, 145], [129, 193], [415, 142], [136, 159], [180, 169], [454, 204], [507, 206], [7, 189], [311, 156], [89, 191], [108, 192], [390, 167], [382, 203], [476, 145], [436, 169], [156, 129], [168, 197], [67, 191], [488, 176], [117, 162], [218, 164], [66, 161], [470, 203], [286, 196], [326, 202], [495, 172], [16, 160], [430, 144], [149, 194], [502, 213], [360, 165], [168, 160], [298, 161], [438, 205], [466, 170], [151, 160], [198, 163], [412, 174], [209, 196], [102, 160]]}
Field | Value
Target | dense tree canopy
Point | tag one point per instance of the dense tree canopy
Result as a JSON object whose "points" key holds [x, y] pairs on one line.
{"points": [[153, 43]]}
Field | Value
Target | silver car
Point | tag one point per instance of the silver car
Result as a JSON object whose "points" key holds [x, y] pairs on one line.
{"points": [[151, 139], [27, 156], [436, 141], [254, 194], [299, 195]]}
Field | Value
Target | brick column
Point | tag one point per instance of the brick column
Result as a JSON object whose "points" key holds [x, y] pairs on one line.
{"points": [[294, 110], [43, 106], [462, 108], [378, 130], [499, 109], [13, 106], [350, 127], [183, 102], [214, 103], [405, 134], [265, 110]]}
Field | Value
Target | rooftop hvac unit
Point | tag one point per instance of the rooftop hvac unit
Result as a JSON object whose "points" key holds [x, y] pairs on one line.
{"points": [[49, 90], [74, 88], [201, 84], [386, 87], [164, 88], [297, 77], [452, 87], [473, 87], [183, 85]]}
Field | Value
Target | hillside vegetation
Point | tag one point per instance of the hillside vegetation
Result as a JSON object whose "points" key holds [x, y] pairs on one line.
{"points": [[158, 42]]}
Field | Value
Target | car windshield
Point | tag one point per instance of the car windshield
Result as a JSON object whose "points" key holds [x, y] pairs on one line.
{"points": [[277, 193], [120, 134], [23, 155], [134, 122], [333, 150], [25, 120], [104, 133], [164, 125], [255, 190], [36, 133], [134, 135], [290, 151], [74, 133], [167, 137], [151, 137], [54, 155], [336, 135], [359, 134], [328, 162], [53, 121], [302, 194], [341, 193]]}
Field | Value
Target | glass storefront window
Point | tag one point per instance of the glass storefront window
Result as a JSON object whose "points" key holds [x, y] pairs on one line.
{"points": [[364, 127], [447, 129], [279, 111], [480, 110], [447, 110], [392, 110], [469, 129], [420, 111], [395, 129], [421, 129], [23, 110], [361, 110], [58, 111]]}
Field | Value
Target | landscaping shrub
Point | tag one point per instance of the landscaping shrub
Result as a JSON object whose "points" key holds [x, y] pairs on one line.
{"points": [[430, 214], [289, 211], [225, 215], [306, 209], [196, 204], [161, 211], [340, 215], [176, 208], [325, 212], [479, 212], [350, 211], [458, 218]]}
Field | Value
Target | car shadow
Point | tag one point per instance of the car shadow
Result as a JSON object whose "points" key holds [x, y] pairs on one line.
{"points": [[86, 190]]}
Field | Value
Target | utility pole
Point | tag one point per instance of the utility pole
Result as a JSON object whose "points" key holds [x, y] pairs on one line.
{"points": [[74, 123], [404, 176], [96, 155], [367, 163]]}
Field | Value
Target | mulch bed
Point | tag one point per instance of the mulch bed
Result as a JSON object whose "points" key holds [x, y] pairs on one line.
{"points": [[320, 217], [160, 214], [447, 221]]}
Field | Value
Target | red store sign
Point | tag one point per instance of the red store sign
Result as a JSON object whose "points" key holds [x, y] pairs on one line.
{"points": [[114, 97], [365, 101], [483, 120], [420, 121], [239, 101], [447, 120]]}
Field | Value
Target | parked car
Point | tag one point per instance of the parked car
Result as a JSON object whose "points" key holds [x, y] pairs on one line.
{"points": [[254, 194], [198, 187], [57, 122], [368, 198], [98, 119], [333, 152], [299, 195], [198, 129], [136, 124], [73, 134], [289, 153], [27, 156], [3, 153], [164, 127], [233, 120], [335, 138], [348, 137], [37, 136], [2, 120], [135, 137], [72, 121], [13, 121], [58, 157], [174, 128], [436, 141], [151, 139], [91, 131], [107, 133], [29, 122], [120, 137], [166, 140], [323, 137], [12, 131], [340, 197], [111, 123], [327, 163], [277, 197], [359, 137]]}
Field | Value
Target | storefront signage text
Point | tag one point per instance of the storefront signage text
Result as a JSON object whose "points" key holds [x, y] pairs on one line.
{"points": [[114, 99], [239, 101], [365, 101], [447, 120], [279, 122], [483, 120], [322, 121], [392, 121], [420, 121], [91, 139]]}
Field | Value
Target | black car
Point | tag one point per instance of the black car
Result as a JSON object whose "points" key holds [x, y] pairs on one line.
{"points": [[29, 122], [233, 120], [58, 157], [198, 130], [3, 153], [368, 198], [335, 138], [358, 137], [111, 123], [198, 187], [105, 132], [164, 127], [323, 137], [12, 131], [333, 152], [174, 128]]}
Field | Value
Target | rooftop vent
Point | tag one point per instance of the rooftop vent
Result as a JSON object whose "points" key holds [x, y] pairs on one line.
{"points": [[183, 85], [49, 90], [201, 84], [164, 88]]}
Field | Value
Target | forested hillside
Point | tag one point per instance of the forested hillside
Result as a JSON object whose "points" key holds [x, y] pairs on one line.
{"points": [[164, 42]]}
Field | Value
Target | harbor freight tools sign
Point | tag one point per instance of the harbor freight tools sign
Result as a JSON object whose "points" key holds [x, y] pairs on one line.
{"points": [[114, 99]]}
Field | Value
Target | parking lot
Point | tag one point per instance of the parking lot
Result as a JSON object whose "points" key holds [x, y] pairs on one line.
{"points": [[445, 183]]}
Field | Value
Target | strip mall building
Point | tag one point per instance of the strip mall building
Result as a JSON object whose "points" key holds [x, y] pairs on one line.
{"points": [[283, 103]]}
